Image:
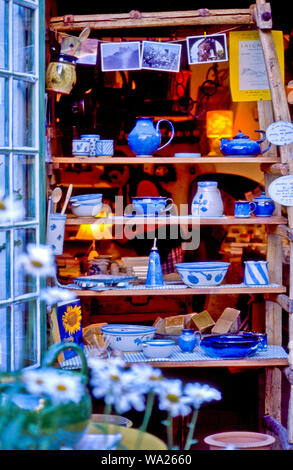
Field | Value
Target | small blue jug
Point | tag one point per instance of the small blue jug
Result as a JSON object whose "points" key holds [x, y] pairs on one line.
{"points": [[188, 340], [154, 275], [145, 138]]}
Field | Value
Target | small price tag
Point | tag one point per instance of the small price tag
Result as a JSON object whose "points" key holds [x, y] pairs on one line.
{"points": [[281, 190], [280, 133]]}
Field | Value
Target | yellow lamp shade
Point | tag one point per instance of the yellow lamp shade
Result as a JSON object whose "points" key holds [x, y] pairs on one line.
{"points": [[219, 124]]}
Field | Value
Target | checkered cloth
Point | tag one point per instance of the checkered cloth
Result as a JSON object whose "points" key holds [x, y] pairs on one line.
{"points": [[175, 256]]}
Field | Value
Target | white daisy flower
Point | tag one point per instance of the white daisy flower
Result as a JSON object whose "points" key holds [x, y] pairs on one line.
{"points": [[147, 377], [53, 295], [11, 209], [171, 399], [35, 381], [63, 388], [39, 260], [199, 394]]}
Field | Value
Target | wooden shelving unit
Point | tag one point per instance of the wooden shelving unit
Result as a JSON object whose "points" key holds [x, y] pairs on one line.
{"points": [[276, 298]]}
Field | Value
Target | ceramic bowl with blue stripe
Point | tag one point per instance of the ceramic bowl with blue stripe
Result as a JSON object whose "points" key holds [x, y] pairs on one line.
{"points": [[158, 348], [127, 337], [202, 273]]}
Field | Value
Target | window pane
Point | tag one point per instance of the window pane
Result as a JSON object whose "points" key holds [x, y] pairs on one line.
{"points": [[5, 290], [22, 35], [24, 184], [4, 176], [3, 34], [4, 111], [24, 334], [23, 114], [23, 283], [4, 339]]}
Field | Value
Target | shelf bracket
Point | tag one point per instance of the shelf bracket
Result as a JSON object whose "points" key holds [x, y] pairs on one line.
{"points": [[283, 300], [275, 168], [282, 231]]}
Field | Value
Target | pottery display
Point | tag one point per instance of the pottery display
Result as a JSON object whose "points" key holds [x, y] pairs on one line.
{"points": [[202, 273], [80, 147], [264, 205], [92, 140], [244, 208], [127, 337], [256, 273], [105, 147], [188, 340], [61, 74], [55, 232], [145, 139], [151, 205], [242, 145], [86, 209], [158, 348], [209, 200]]}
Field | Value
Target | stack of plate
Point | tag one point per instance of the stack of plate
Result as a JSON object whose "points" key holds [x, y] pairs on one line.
{"points": [[136, 265]]}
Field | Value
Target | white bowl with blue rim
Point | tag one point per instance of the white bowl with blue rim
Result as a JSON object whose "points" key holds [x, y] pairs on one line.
{"points": [[202, 273], [158, 348], [87, 198], [127, 338]]}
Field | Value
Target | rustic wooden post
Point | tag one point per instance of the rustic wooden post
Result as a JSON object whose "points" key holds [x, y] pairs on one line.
{"points": [[280, 113]]}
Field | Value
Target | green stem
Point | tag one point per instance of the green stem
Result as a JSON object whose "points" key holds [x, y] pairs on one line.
{"points": [[170, 431], [191, 430], [107, 413], [146, 418]]}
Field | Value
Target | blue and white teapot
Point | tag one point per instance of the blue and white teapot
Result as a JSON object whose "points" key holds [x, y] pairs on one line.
{"points": [[242, 145]]}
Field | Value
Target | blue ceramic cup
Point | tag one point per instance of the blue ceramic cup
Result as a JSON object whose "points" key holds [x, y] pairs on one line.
{"points": [[244, 208], [151, 205]]}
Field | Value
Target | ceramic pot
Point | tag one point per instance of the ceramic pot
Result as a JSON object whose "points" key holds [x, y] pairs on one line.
{"points": [[61, 74], [154, 273], [264, 206], [240, 440], [244, 208], [152, 205], [256, 273], [209, 199], [242, 145], [188, 340], [145, 138]]}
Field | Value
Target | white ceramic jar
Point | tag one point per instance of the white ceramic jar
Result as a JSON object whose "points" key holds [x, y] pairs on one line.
{"points": [[209, 200]]}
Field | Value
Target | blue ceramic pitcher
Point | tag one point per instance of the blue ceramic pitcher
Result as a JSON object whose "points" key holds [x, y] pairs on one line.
{"points": [[145, 139]]}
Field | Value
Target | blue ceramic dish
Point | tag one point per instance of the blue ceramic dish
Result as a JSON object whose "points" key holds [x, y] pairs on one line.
{"points": [[203, 273], [86, 197], [151, 205], [230, 346], [127, 337]]}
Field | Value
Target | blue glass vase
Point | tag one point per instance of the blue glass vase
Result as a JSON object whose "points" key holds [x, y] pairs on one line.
{"points": [[188, 340]]}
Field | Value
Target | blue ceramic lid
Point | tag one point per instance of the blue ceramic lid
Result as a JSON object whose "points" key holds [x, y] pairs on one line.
{"points": [[240, 135], [262, 197], [205, 184]]}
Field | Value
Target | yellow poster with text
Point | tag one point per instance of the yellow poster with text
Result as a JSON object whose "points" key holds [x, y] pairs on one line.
{"points": [[248, 75]]}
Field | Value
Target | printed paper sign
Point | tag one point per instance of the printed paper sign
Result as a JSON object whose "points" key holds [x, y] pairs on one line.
{"points": [[280, 133], [248, 75], [281, 190]]}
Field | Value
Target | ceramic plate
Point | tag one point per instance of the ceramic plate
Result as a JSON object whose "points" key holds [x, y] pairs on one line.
{"points": [[102, 279], [190, 155]]}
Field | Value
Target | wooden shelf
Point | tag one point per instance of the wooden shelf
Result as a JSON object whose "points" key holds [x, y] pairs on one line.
{"points": [[163, 160], [181, 292], [174, 220], [243, 363]]}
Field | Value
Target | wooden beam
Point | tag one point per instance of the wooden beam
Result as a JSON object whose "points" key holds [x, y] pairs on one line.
{"points": [[281, 169], [135, 19], [281, 230]]}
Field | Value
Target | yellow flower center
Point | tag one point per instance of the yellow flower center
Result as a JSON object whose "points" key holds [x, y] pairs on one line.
{"points": [[61, 388], [172, 398], [2, 206], [36, 263], [115, 378]]}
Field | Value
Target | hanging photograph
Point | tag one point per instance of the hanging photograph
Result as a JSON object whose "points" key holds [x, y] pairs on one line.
{"points": [[120, 56], [207, 48], [163, 56]]}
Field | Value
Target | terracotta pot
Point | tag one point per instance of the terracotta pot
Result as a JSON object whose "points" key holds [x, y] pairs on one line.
{"points": [[241, 440]]}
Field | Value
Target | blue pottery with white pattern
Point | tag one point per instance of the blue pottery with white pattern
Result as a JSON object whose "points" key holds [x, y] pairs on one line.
{"points": [[209, 199], [256, 273], [202, 273]]}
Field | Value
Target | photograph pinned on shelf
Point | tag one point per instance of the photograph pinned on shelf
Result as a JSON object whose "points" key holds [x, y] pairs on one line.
{"points": [[163, 56], [120, 56], [207, 48], [86, 52]]}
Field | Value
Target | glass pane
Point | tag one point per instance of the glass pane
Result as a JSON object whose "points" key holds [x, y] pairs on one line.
{"points": [[4, 176], [24, 184], [23, 114], [3, 34], [22, 35], [5, 290], [4, 123], [25, 327], [23, 283], [4, 339]]}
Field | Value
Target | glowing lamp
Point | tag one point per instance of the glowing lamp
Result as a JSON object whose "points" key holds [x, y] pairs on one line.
{"points": [[219, 124], [94, 232]]}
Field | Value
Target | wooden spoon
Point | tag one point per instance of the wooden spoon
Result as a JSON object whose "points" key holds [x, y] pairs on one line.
{"points": [[56, 196], [82, 37], [67, 197]]}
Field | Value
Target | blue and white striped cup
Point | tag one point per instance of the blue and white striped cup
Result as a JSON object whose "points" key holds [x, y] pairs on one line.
{"points": [[256, 273]]}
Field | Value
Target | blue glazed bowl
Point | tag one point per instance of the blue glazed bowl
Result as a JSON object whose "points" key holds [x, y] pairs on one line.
{"points": [[86, 198], [127, 337], [203, 273], [151, 205], [230, 346]]}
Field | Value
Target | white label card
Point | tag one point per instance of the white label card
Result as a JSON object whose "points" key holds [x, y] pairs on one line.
{"points": [[280, 133], [281, 190]]}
